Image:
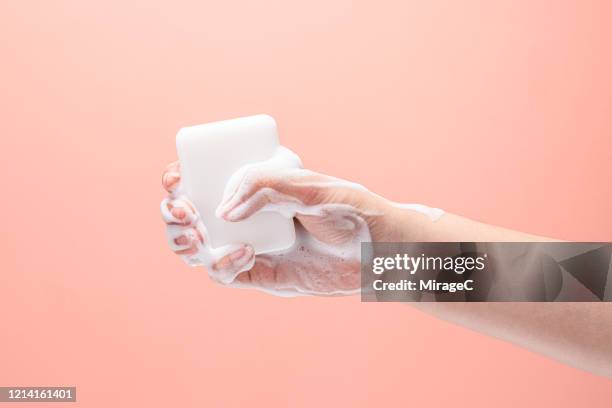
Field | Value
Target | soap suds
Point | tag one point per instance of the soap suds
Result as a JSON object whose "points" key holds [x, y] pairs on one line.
{"points": [[433, 214]]}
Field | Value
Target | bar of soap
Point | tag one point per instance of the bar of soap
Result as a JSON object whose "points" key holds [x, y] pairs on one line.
{"points": [[209, 154]]}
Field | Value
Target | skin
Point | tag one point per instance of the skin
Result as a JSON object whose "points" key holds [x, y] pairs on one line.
{"points": [[578, 334]]}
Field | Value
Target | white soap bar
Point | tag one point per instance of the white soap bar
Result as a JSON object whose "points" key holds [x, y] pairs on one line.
{"points": [[209, 154]]}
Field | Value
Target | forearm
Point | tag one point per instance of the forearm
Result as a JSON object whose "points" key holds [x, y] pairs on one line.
{"points": [[578, 334], [454, 228]]}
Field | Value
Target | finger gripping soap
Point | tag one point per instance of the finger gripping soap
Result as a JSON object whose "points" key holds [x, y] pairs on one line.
{"points": [[209, 154]]}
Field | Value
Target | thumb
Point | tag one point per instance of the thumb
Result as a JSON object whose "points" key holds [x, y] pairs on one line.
{"points": [[287, 191]]}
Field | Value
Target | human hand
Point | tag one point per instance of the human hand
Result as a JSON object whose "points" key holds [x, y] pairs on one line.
{"points": [[332, 218]]}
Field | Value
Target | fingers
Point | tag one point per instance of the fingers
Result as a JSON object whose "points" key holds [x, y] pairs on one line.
{"points": [[171, 177], [230, 261], [186, 237], [184, 230], [268, 188], [184, 240], [289, 192], [281, 185], [223, 263], [248, 180], [178, 211]]}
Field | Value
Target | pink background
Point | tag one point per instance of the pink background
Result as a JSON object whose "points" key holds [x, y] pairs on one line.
{"points": [[498, 110]]}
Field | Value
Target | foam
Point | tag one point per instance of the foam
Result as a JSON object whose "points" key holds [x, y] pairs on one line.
{"points": [[433, 214]]}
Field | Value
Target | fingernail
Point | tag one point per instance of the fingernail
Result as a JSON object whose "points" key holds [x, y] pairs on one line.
{"points": [[219, 212], [170, 178], [230, 216], [233, 215], [223, 208], [182, 240], [178, 213]]}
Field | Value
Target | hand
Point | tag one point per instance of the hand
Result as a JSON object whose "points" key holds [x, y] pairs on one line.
{"points": [[332, 218]]}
